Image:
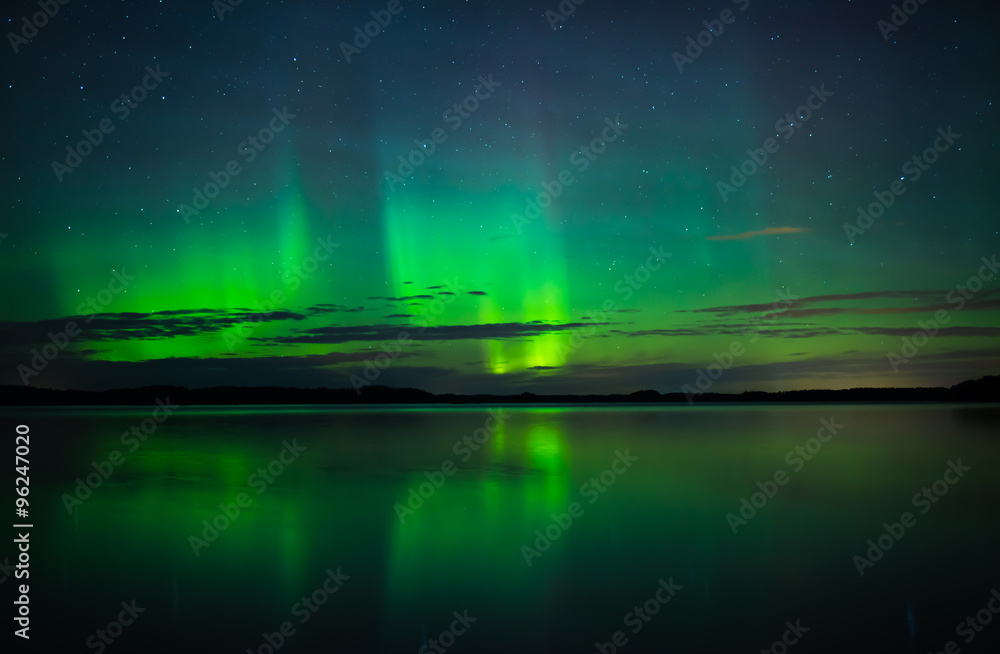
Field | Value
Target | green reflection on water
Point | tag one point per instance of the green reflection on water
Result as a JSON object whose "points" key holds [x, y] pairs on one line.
{"points": [[665, 516], [470, 531]]}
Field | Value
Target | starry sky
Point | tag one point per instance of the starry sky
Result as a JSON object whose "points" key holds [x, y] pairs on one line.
{"points": [[499, 196]]}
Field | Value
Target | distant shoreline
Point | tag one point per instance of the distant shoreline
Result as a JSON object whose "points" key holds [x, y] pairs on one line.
{"points": [[513, 405], [985, 389]]}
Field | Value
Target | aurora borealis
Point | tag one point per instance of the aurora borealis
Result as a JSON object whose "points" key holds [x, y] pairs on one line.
{"points": [[538, 196]]}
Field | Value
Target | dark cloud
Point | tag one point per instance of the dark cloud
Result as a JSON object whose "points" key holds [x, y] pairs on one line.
{"points": [[405, 298], [929, 300], [808, 332], [157, 325], [346, 334]]}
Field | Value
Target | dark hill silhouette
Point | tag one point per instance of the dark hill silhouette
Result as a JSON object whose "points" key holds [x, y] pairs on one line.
{"points": [[985, 389]]}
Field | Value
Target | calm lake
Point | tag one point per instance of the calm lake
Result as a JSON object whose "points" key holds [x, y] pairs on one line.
{"points": [[542, 529]]}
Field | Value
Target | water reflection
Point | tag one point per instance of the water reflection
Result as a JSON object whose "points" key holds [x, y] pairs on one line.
{"points": [[334, 507], [464, 542]]}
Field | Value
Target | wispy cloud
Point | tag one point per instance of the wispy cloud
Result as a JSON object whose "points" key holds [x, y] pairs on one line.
{"points": [[920, 301], [770, 231], [345, 334]]}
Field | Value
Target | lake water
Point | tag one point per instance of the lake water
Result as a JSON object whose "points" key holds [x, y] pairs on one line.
{"points": [[563, 527]]}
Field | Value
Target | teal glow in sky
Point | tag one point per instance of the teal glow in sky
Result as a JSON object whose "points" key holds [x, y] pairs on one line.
{"points": [[558, 204]]}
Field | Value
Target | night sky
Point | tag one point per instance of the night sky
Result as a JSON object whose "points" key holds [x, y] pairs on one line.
{"points": [[498, 197]]}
